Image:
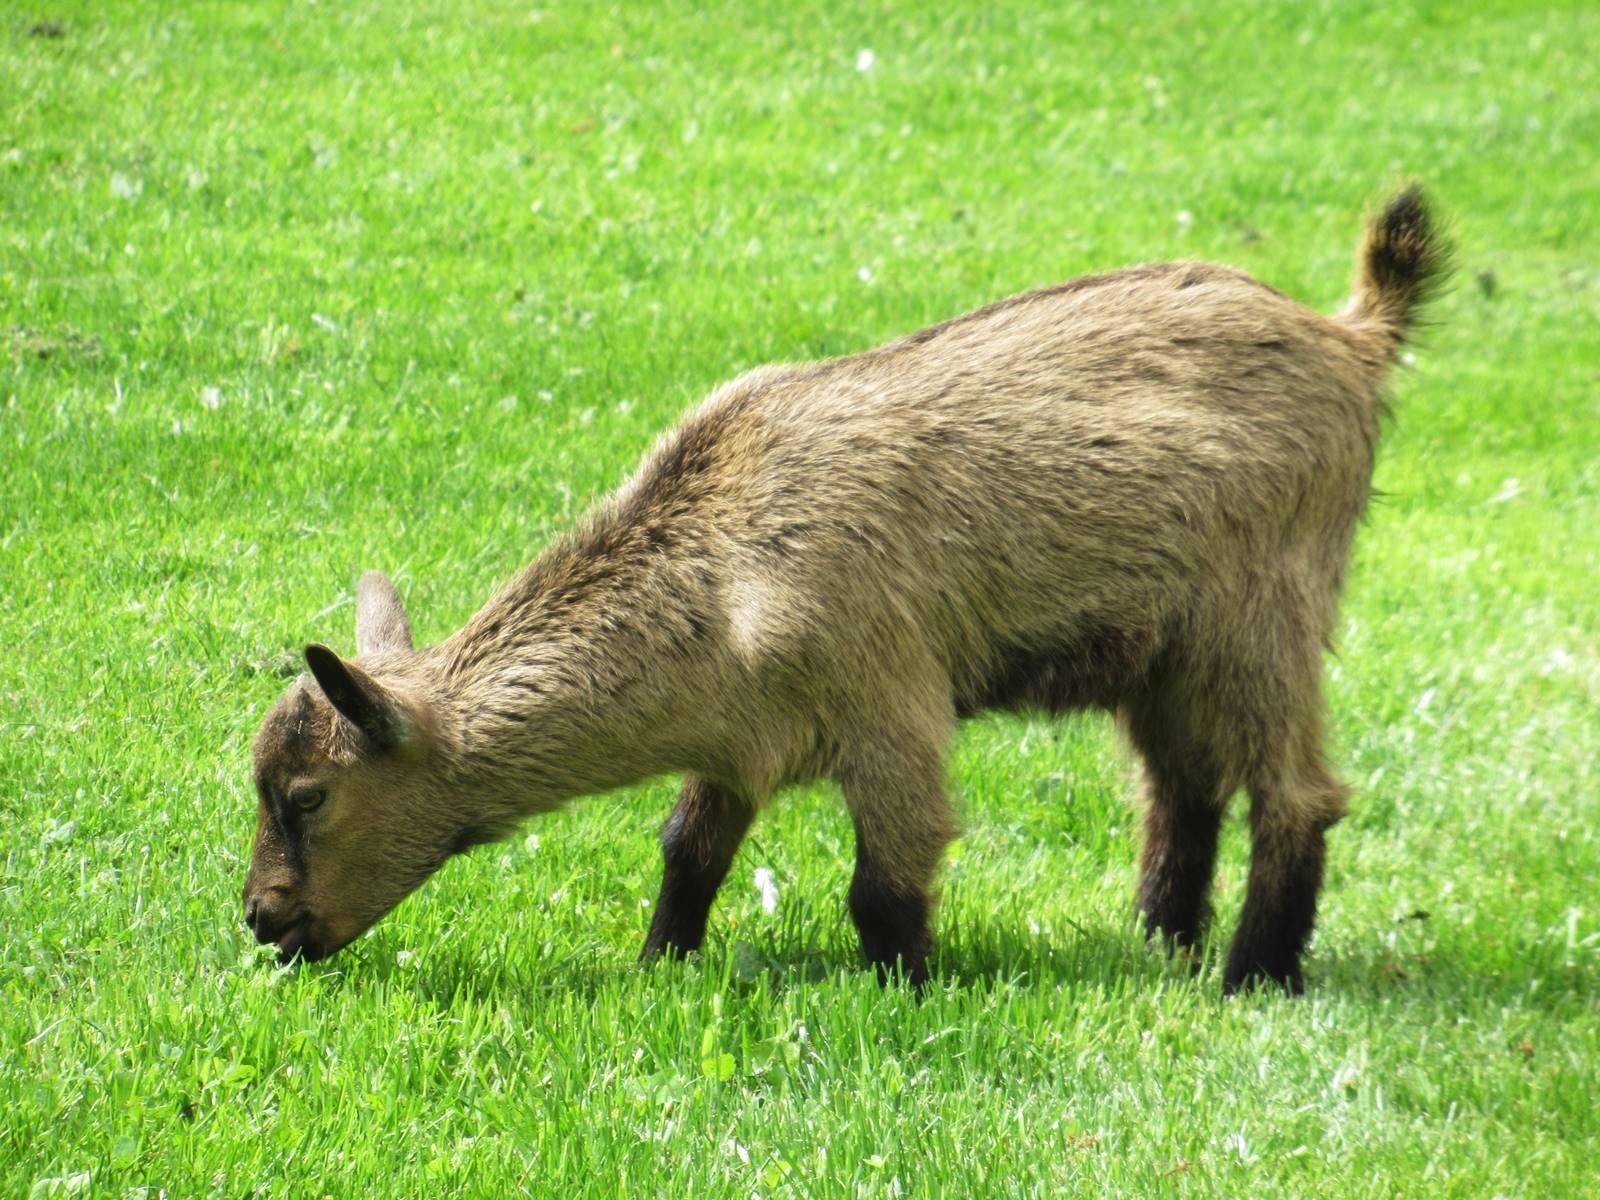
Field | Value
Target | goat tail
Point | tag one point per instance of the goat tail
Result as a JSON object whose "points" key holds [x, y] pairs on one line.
{"points": [[1403, 260]]}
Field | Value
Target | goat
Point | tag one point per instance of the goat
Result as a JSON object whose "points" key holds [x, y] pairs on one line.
{"points": [[1133, 491]]}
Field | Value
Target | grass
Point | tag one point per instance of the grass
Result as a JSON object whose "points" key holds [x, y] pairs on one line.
{"points": [[291, 290]]}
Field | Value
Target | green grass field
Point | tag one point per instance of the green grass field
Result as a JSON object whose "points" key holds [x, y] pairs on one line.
{"points": [[290, 290]]}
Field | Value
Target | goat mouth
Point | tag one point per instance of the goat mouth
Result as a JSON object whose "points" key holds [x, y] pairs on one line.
{"points": [[297, 940]]}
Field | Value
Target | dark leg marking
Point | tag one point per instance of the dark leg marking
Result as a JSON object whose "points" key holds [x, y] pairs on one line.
{"points": [[697, 845], [894, 785], [902, 822], [1280, 905], [892, 921], [1181, 824], [1184, 803], [1175, 876]]}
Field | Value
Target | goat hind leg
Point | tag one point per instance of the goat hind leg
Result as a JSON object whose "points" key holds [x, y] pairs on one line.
{"points": [[1288, 824], [1184, 802], [1183, 816]]}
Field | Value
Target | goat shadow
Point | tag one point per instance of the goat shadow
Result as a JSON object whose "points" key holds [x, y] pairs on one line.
{"points": [[979, 958]]}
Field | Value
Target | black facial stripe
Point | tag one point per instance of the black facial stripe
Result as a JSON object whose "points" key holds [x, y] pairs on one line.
{"points": [[289, 822]]}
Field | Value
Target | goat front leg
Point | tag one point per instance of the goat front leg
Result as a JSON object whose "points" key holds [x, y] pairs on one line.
{"points": [[902, 823], [697, 846]]}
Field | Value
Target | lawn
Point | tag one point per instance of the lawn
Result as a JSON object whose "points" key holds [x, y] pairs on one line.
{"points": [[290, 290]]}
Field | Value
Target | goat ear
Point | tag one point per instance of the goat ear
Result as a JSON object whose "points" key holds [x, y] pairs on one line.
{"points": [[381, 622], [359, 698]]}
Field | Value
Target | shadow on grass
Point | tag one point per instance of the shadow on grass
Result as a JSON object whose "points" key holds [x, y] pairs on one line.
{"points": [[792, 955], [980, 957], [1453, 979]]}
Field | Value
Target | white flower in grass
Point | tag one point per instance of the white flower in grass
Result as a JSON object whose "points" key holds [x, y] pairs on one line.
{"points": [[210, 397], [1236, 1143], [865, 61], [864, 274], [1185, 217], [1559, 659], [124, 188], [1509, 490], [62, 1185], [404, 957], [768, 890]]}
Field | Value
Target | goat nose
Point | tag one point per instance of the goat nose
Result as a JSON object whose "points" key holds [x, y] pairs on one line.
{"points": [[252, 909]]}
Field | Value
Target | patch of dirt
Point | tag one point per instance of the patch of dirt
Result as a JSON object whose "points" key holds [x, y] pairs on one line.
{"points": [[22, 342]]}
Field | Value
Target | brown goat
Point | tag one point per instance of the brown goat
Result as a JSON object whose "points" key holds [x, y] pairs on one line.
{"points": [[1135, 491]]}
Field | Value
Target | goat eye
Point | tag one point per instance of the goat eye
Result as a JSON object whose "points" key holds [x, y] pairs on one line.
{"points": [[307, 799]]}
